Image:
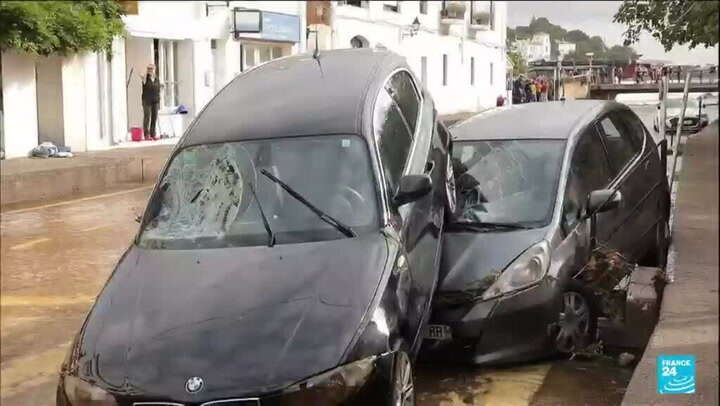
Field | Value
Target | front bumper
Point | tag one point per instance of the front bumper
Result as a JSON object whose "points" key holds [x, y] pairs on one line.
{"points": [[376, 390], [512, 328]]}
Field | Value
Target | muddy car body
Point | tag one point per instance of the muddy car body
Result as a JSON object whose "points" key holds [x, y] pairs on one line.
{"points": [[289, 252], [521, 237]]}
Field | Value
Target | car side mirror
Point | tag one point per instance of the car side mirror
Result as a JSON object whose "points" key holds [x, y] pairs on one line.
{"points": [[603, 200], [411, 188]]}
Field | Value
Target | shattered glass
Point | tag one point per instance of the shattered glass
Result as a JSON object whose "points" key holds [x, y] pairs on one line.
{"points": [[206, 200], [507, 181]]}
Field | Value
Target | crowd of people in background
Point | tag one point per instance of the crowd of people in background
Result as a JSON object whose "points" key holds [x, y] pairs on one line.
{"points": [[527, 90]]}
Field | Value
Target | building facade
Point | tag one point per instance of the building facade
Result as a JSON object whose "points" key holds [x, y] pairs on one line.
{"points": [[457, 50], [565, 48], [536, 48], [90, 102]]}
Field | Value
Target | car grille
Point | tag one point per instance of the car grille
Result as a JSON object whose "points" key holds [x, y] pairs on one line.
{"points": [[226, 402]]}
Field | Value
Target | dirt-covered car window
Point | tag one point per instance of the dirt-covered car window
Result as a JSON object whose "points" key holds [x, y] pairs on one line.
{"points": [[215, 195], [507, 181]]}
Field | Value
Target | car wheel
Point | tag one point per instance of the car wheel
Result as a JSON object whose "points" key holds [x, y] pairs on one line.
{"points": [[450, 190], [403, 388], [576, 322]]}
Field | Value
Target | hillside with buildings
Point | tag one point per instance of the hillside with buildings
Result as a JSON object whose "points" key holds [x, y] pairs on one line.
{"points": [[543, 40]]}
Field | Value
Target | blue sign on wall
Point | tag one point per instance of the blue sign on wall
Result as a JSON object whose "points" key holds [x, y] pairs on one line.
{"points": [[265, 25], [280, 27]]}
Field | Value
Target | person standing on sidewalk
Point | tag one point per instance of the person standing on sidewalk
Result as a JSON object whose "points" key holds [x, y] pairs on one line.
{"points": [[150, 102]]}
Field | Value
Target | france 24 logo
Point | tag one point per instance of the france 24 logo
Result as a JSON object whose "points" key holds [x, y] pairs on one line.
{"points": [[676, 374]]}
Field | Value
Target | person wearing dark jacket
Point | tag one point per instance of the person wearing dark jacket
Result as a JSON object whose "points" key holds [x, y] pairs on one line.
{"points": [[150, 101]]}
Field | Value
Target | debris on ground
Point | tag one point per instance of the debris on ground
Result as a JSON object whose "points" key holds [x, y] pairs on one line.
{"points": [[625, 359], [50, 150]]}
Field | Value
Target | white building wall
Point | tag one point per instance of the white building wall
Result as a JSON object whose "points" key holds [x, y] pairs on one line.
{"points": [[458, 42], [118, 93], [20, 106], [74, 102]]}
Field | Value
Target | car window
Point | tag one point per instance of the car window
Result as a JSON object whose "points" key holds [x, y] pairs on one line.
{"points": [[402, 90], [507, 181], [621, 146], [214, 196], [636, 129], [393, 138], [588, 171]]}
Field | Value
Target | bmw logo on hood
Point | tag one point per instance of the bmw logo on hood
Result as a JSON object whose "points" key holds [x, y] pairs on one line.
{"points": [[194, 384]]}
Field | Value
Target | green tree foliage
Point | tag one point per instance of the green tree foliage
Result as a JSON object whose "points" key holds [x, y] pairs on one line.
{"points": [[518, 63], [671, 21], [62, 27]]}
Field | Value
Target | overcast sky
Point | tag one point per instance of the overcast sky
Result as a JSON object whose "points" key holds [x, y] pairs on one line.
{"points": [[595, 18]]}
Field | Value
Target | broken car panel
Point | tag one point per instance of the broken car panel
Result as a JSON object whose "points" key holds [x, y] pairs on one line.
{"points": [[534, 204], [289, 252]]}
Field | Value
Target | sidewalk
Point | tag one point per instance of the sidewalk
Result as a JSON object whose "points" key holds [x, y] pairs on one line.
{"points": [[30, 180], [688, 323]]}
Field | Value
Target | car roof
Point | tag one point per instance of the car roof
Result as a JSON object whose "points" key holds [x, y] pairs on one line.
{"points": [[541, 120], [294, 96]]}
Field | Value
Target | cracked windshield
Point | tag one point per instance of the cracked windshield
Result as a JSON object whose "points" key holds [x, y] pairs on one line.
{"points": [[225, 195], [508, 181]]}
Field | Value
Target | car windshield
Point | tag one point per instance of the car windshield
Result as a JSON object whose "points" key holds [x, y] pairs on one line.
{"points": [[240, 194], [508, 182]]}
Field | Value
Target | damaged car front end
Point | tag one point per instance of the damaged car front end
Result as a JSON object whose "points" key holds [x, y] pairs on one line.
{"points": [[496, 295], [548, 225]]}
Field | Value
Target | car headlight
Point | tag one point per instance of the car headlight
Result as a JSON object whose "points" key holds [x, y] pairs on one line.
{"points": [[81, 393], [333, 387], [527, 269]]}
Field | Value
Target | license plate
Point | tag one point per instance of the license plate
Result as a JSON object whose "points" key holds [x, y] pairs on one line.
{"points": [[438, 332]]}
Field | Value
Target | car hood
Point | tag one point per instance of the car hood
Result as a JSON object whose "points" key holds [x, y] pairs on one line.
{"points": [[246, 320], [472, 260]]}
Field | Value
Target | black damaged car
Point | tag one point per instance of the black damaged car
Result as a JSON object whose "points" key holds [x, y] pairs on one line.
{"points": [[289, 252], [535, 204]]}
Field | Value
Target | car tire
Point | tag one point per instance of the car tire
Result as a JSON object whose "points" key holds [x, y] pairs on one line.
{"points": [[577, 319], [403, 388]]}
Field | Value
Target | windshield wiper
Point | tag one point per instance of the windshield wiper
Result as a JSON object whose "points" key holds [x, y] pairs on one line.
{"points": [[484, 225], [271, 235], [347, 231]]}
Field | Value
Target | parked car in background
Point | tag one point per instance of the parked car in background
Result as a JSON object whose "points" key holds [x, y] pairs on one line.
{"points": [[519, 242], [289, 251], [695, 118]]}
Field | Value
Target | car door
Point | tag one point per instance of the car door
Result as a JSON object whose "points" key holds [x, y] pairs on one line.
{"points": [[654, 204], [624, 149], [403, 125], [588, 170]]}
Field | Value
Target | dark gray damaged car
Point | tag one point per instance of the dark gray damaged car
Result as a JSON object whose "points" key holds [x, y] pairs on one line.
{"points": [[523, 231]]}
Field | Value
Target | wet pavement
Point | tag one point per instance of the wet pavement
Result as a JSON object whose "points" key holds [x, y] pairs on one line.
{"points": [[55, 259]]}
